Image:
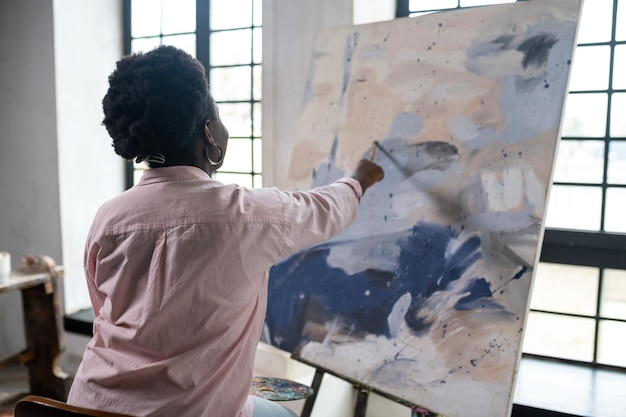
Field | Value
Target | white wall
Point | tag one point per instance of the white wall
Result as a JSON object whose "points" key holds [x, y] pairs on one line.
{"points": [[87, 43]]}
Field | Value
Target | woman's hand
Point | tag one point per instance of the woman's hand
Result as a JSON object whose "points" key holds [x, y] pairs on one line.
{"points": [[368, 173]]}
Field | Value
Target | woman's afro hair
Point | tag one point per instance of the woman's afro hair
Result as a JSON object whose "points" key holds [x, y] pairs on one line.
{"points": [[156, 101]]}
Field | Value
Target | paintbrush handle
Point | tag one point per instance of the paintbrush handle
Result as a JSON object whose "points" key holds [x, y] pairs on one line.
{"points": [[373, 150]]}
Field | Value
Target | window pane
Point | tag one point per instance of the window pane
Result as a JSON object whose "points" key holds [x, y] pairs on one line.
{"points": [[238, 156], [258, 156], [258, 12], [616, 171], [256, 109], [231, 83], [144, 45], [613, 301], [232, 47], [257, 52], [467, 3], [257, 82], [145, 18], [611, 343], [580, 161], [565, 289], [137, 173], [596, 21], [585, 115], [230, 14], [185, 42], [257, 181], [237, 118], [619, 67], [572, 207], [179, 16], [591, 68], [421, 5], [620, 32], [559, 336], [618, 113], [614, 218], [244, 180]]}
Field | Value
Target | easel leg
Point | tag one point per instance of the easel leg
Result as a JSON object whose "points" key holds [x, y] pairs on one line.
{"points": [[361, 402], [308, 405]]}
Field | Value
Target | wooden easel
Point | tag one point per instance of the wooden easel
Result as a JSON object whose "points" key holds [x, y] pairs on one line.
{"points": [[362, 396]]}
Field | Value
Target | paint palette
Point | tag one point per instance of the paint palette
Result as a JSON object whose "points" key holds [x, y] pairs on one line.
{"points": [[277, 389]]}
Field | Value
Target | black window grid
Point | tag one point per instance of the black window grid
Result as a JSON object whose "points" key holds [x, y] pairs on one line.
{"points": [[203, 34]]}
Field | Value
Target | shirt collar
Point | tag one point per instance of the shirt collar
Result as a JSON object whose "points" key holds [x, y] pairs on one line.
{"points": [[173, 173]]}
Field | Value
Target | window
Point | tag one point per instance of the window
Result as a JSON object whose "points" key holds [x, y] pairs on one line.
{"points": [[225, 36], [578, 305]]}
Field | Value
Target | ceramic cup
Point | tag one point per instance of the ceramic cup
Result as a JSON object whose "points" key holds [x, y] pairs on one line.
{"points": [[5, 265]]}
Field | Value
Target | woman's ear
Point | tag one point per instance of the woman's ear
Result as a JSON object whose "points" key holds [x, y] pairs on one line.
{"points": [[208, 133]]}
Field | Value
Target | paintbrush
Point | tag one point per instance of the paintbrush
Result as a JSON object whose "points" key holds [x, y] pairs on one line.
{"points": [[441, 199], [373, 150], [406, 172]]}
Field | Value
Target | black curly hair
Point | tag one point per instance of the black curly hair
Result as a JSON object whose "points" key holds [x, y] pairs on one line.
{"points": [[156, 102]]}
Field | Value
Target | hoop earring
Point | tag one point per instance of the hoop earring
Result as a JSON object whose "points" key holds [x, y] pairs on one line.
{"points": [[208, 158]]}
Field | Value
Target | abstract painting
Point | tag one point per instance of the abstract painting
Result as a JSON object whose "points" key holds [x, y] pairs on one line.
{"points": [[425, 296]]}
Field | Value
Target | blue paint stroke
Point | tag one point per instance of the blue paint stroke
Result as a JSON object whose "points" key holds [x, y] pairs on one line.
{"points": [[405, 125], [308, 86], [518, 275], [521, 272], [348, 55], [479, 296], [304, 288], [328, 171]]}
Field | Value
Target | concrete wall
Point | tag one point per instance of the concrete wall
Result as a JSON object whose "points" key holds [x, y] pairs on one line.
{"points": [[29, 181]]}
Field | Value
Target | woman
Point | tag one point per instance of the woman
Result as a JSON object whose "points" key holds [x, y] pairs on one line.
{"points": [[177, 265]]}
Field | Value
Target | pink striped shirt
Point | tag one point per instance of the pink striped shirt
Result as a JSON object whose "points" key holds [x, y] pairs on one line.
{"points": [[177, 274]]}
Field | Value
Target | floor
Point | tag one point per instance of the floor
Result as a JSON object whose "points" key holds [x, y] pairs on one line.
{"points": [[13, 386], [541, 384], [14, 379]]}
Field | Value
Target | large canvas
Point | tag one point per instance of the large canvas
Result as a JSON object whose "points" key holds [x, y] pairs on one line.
{"points": [[424, 297]]}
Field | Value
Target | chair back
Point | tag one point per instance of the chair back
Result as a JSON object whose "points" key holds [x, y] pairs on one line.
{"points": [[37, 406]]}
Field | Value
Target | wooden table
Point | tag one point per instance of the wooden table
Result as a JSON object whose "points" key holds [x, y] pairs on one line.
{"points": [[41, 304]]}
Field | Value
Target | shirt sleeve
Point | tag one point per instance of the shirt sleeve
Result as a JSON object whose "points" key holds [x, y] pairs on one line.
{"points": [[317, 215]]}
